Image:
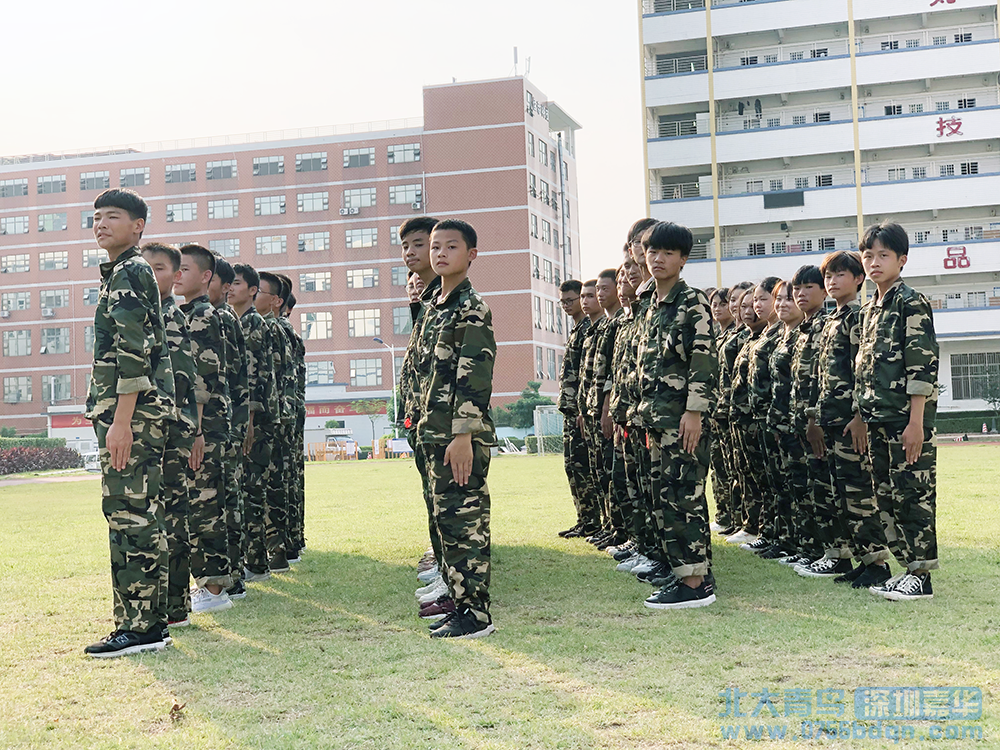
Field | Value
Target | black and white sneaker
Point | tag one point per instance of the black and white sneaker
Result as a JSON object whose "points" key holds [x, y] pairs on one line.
{"points": [[463, 626], [911, 587], [852, 575], [682, 596], [238, 590], [774, 553], [125, 642], [873, 575], [757, 545], [656, 570], [825, 567], [624, 552], [885, 588]]}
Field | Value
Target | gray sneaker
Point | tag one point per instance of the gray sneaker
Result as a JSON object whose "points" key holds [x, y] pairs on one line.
{"points": [[203, 601]]}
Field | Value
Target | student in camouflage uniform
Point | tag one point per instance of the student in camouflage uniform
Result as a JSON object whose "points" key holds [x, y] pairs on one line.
{"points": [[896, 390], [210, 565], [130, 403], [729, 438], [855, 528], [575, 456], [677, 375], [455, 357], [718, 428], [590, 423], [296, 439], [175, 490]]}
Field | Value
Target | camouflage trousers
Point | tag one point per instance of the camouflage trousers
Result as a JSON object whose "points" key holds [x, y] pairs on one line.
{"points": [[795, 467], [747, 506], [577, 460], [176, 493], [425, 488], [256, 474], [277, 510], [680, 509], [822, 521], [637, 470], [299, 462], [134, 511], [776, 485], [235, 505], [906, 495], [861, 530], [208, 529], [722, 491], [600, 470], [618, 496], [463, 527]]}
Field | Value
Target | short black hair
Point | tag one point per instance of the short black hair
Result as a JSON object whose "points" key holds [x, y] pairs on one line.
{"points": [[249, 274], [417, 224], [463, 227], [223, 270], [669, 236], [639, 228], [202, 257], [571, 285], [735, 288], [158, 248], [769, 283], [286, 287], [127, 200], [807, 275], [890, 235], [844, 260], [291, 301], [608, 273], [273, 282], [783, 288], [721, 294], [590, 282]]}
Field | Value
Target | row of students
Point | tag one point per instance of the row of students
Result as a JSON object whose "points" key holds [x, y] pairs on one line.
{"points": [[199, 409]]}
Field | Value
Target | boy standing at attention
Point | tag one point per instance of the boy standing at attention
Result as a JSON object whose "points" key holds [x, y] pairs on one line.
{"points": [[896, 389], [130, 403], [678, 371], [455, 356]]}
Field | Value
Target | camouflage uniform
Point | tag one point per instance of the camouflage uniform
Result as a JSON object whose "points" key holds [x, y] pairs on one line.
{"points": [[819, 498], [746, 438], [897, 358], [592, 424], [294, 457], [793, 464], [678, 370], [730, 438], [855, 526], [454, 362], [131, 356], [209, 534], [605, 447], [575, 455], [239, 414], [264, 407], [177, 474], [279, 471], [649, 539], [718, 426], [771, 478], [620, 387]]}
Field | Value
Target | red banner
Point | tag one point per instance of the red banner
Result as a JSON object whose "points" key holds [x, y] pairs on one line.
{"points": [[68, 421], [335, 409]]}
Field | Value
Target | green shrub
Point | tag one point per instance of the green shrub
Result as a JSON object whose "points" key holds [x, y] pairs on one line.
{"points": [[32, 442], [21, 459]]}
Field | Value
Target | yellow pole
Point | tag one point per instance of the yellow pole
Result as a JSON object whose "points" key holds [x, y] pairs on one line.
{"points": [[645, 134], [710, 63], [854, 116]]}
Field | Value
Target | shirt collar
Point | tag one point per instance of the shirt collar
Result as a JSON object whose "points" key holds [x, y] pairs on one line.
{"points": [[434, 290], [107, 268], [879, 300]]}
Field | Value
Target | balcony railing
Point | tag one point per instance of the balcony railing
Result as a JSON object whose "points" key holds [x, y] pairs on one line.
{"points": [[674, 129], [745, 183], [771, 244], [904, 40], [944, 101], [781, 117], [670, 6], [670, 66], [675, 191]]}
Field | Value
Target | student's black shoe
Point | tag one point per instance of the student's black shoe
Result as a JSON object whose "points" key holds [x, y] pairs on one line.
{"points": [[664, 580], [913, 586], [682, 597], [463, 626], [238, 590], [772, 553], [588, 532], [656, 570], [728, 531], [851, 576], [599, 537], [165, 634], [624, 553], [873, 575], [125, 642], [442, 622], [278, 562], [570, 532], [758, 545], [613, 540]]}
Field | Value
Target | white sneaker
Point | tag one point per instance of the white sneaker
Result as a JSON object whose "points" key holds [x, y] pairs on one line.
{"points": [[429, 587], [434, 594], [885, 589], [715, 527], [740, 537], [249, 576], [426, 576], [204, 600], [626, 565]]}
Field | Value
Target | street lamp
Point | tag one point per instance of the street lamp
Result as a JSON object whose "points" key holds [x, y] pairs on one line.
{"points": [[392, 367]]}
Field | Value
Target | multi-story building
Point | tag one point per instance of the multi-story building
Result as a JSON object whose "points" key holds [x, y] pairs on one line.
{"points": [[322, 206], [778, 129]]}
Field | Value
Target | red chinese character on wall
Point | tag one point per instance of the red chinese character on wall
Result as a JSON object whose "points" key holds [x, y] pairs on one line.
{"points": [[956, 258], [953, 125], [939, 2]]}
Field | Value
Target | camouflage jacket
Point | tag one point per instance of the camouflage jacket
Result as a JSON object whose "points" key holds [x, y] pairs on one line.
{"points": [[569, 378], [209, 352], [838, 348], [731, 345], [760, 370], [621, 380], [805, 370], [897, 357], [299, 365], [285, 377], [454, 359], [260, 367], [678, 368], [739, 391], [237, 377], [588, 364], [130, 343], [644, 296], [409, 383], [182, 431], [604, 363], [780, 365]]}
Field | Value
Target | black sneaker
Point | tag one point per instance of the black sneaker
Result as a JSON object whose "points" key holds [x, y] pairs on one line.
{"points": [[568, 532], [851, 576], [238, 590], [873, 575], [624, 553], [682, 597], [278, 562], [463, 626], [913, 586], [774, 552], [610, 541], [758, 545], [664, 580], [125, 642], [441, 623], [165, 635], [825, 567], [658, 570]]}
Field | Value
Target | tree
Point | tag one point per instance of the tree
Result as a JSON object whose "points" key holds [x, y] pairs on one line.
{"points": [[991, 394], [373, 408], [334, 424], [521, 413]]}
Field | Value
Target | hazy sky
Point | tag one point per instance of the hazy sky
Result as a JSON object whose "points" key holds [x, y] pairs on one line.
{"points": [[83, 75]]}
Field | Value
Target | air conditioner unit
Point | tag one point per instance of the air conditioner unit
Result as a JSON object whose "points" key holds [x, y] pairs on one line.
{"points": [[48, 312], [4, 313], [416, 205], [353, 210]]}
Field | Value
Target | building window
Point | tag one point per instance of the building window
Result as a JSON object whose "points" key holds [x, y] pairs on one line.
{"points": [[316, 325], [86, 220], [973, 233], [824, 244], [16, 343], [13, 188], [362, 323], [550, 315], [555, 240], [397, 366], [312, 241], [819, 52], [224, 209], [359, 157], [94, 257], [963, 38], [17, 390], [546, 232], [220, 170], [55, 388], [536, 267], [402, 323], [264, 165], [533, 225], [14, 225], [399, 275], [539, 362], [273, 245], [748, 60], [532, 185], [311, 162], [319, 373], [181, 173], [14, 263], [55, 261], [54, 341], [552, 363], [970, 167], [543, 192], [178, 212], [967, 103], [824, 180], [538, 312], [559, 324], [893, 109], [401, 153], [912, 43], [314, 281], [358, 238], [403, 194], [919, 173], [88, 338], [970, 374], [366, 372], [313, 202], [916, 109], [228, 248], [547, 271], [52, 222], [53, 183], [134, 177], [946, 170], [897, 173], [543, 153], [364, 278], [90, 295], [269, 205], [54, 298], [15, 301], [95, 180], [531, 144], [394, 236], [359, 197]]}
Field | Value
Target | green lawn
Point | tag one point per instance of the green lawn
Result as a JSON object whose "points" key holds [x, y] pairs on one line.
{"points": [[332, 654]]}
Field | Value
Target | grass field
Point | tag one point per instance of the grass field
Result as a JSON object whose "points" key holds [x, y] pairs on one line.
{"points": [[332, 655]]}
